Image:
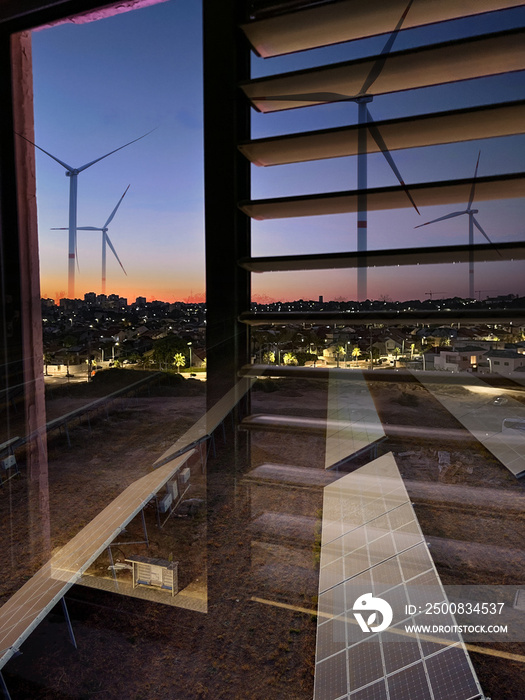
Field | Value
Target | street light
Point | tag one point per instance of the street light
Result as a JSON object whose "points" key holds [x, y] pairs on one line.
{"points": [[189, 346]]}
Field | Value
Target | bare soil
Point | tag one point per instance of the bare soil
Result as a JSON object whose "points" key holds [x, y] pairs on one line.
{"points": [[258, 638]]}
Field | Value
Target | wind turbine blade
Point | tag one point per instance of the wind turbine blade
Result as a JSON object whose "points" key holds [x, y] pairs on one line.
{"points": [[478, 226], [63, 228], [61, 162], [115, 209], [473, 188], [376, 134], [110, 244], [88, 165], [89, 228], [442, 218], [380, 63], [305, 97]]}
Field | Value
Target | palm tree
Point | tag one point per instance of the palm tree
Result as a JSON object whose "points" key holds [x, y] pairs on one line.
{"points": [[396, 352], [339, 352], [289, 359], [356, 352], [47, 361], [179, 360]]}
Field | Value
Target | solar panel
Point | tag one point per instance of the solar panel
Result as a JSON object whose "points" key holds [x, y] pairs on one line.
{"points": [[28, 606], [449, 675], [352, 409], [373, 554], [484, 420]]}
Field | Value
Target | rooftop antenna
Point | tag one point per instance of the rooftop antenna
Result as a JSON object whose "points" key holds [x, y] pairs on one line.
{"points": [[472, 221], [366, 124], [431, 294], [73, 173], [105, 240]]}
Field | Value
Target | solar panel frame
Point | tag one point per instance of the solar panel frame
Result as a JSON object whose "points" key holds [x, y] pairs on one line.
{"points": [[387, 556]]}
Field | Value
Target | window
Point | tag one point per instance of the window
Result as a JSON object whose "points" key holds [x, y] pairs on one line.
{"points": [[298, 485]]}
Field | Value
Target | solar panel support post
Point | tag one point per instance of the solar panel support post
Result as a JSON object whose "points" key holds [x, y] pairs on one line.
{"points": [[144, 528], [4, 687], [112, 565], [68, 621], [212, 446], [202, 455], [157, 511]]}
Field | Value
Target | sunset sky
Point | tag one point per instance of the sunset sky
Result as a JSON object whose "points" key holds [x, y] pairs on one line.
{"points": [[101, 84]]}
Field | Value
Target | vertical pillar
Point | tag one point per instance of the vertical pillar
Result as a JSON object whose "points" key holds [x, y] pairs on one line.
{"points": [[362, 205], [226, 181], [11, 338]]}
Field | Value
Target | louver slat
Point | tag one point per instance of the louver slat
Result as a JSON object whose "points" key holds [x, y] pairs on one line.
{"points": [[337, 22], [426, 130], [382, 198], [436, 64]]}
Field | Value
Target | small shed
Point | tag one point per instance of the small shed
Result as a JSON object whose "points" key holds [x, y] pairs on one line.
{"points": [[155, 573]]}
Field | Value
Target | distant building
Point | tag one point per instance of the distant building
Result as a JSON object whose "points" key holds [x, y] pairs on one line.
{"points": [[504, 361], [67, 304], [90, 298], [466, 359]]}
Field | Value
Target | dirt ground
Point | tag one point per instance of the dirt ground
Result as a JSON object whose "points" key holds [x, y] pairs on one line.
{"points": [[258, 638]]}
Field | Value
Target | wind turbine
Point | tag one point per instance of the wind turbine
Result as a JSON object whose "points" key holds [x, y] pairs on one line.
{"points": [[472, 221], [73, 173], [366, 124], [105, 240]]}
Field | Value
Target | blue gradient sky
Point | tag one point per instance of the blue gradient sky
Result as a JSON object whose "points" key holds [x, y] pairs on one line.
{"points": [[101, 84]]}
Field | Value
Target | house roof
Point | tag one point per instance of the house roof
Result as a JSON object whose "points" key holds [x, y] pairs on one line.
{"points": [[509, 354], [470, 348]]}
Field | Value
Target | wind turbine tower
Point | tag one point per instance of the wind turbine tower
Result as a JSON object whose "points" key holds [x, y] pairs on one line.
{"points": [[366, 126], [472, 221], [73, 174], [105, 240]]}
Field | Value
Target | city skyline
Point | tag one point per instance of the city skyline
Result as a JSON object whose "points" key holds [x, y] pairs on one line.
{"points": [[263, 299], [159, 231]]}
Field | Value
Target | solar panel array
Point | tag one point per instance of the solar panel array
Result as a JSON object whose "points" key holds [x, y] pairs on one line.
{"points": [[30, 604], [352, 419], [371, 543], [484, 420]]}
